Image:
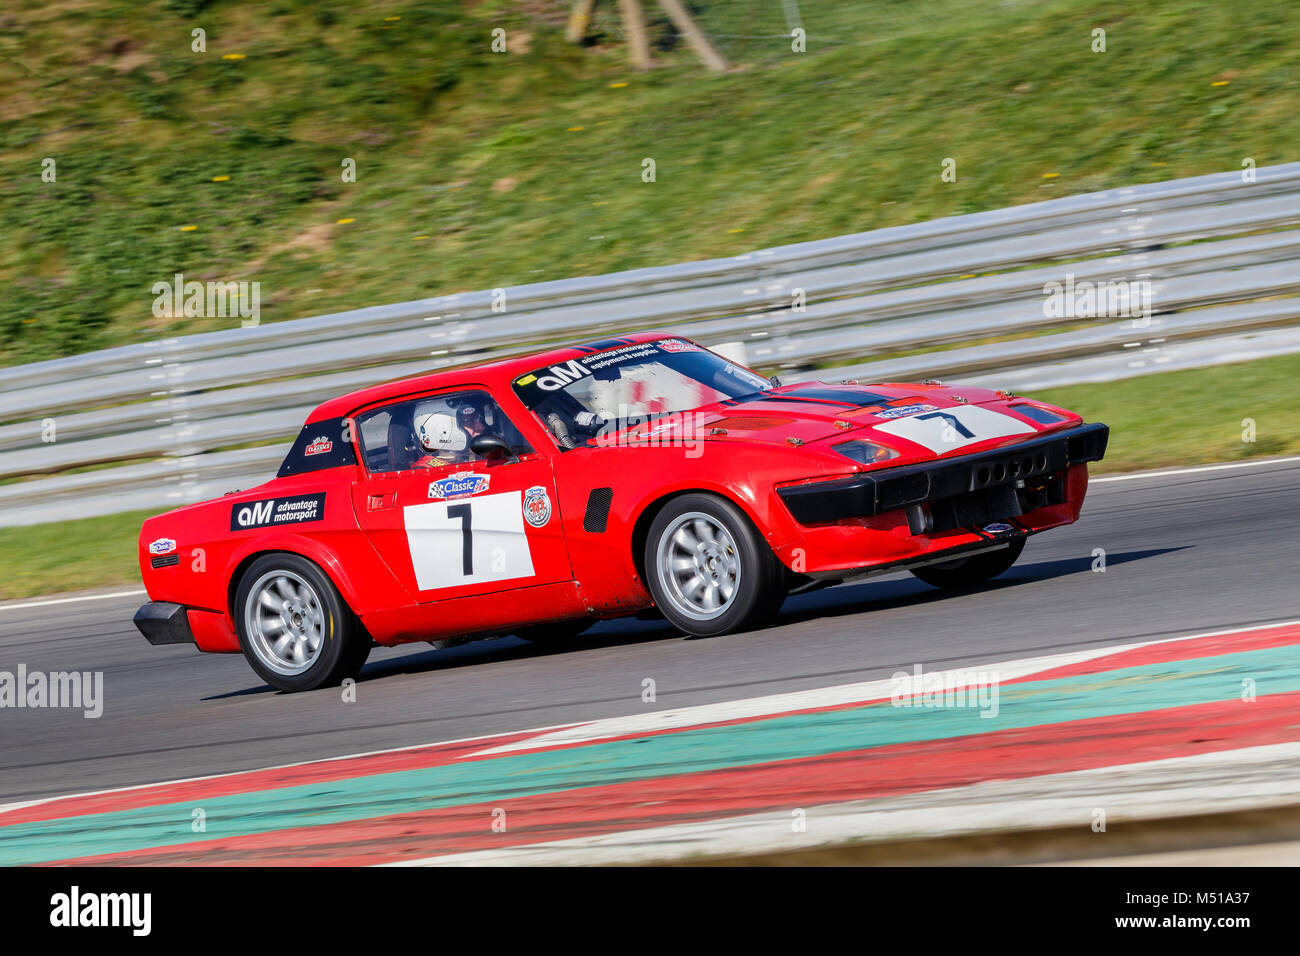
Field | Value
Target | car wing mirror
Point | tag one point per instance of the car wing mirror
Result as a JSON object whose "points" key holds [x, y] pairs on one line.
{"points": [[491, 447]]}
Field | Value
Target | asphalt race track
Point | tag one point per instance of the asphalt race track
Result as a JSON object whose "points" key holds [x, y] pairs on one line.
{"points": [[1187, 552]]}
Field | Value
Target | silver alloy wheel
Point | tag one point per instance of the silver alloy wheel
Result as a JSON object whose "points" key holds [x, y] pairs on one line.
{"points": [[698, 565], [285, 622]]}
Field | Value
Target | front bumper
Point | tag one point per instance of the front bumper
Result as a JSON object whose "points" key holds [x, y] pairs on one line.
{"points": [[163, 623], [970, 486]]}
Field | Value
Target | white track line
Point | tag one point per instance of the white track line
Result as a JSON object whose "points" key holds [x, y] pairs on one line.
{"points": [[1196, 469], [72, 600], [838, 695]]}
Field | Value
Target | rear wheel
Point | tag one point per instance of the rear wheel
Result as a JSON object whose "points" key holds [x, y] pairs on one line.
{"points": [[294, 627], [971, 571], [708, 568]]}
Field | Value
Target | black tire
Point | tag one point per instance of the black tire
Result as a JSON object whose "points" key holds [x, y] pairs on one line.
{"points": [[556, 632], [735, 555], [972, 571], [310, 607]]}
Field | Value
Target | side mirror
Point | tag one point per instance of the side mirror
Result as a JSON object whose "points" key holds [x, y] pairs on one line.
{"points": [[491, 447]]}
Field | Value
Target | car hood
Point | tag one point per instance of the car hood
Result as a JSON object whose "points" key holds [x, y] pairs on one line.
{"points": [[808, 412]]}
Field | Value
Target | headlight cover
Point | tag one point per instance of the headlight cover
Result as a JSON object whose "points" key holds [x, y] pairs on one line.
{"points": [[865, 452], [1044, 416]]}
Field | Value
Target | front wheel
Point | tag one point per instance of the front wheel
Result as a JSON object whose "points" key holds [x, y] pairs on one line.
{"points": [[707, 567], [294, 627], [971, 571]]}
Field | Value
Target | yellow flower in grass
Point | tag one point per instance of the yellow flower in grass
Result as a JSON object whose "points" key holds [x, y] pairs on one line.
{"points": [[188, 228]]}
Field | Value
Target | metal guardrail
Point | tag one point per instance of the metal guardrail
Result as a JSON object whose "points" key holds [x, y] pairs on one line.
{"points": [[158, 420]]}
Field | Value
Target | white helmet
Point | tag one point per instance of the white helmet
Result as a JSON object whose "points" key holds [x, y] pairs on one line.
{"points": [[438, 431]]}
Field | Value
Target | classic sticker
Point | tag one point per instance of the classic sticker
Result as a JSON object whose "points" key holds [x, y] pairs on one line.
{"points": [[460, 485], [537, 506], [269, 512], [902, 411], [319, 446]]}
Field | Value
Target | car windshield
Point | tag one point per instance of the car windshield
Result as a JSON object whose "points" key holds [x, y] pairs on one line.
{"points": [[629, 384]]}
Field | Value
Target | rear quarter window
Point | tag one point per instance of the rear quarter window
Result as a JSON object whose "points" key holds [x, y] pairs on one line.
{"points": [[319, 445]]}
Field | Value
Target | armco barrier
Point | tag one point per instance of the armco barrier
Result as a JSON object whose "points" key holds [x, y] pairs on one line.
{"points": [[162, 421]]}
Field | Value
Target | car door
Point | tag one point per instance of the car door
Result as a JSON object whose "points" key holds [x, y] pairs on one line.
{"points": [[448, 522]]}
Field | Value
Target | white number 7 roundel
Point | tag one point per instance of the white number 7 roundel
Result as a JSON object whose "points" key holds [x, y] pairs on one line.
{"points": [[468, 541]]}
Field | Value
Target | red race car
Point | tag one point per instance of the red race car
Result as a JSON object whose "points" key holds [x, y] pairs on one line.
{"points": [[534, 496]]}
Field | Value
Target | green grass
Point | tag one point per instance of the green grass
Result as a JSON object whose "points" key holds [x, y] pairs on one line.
{"points": [[70, 555], [477, 170], [1173, 418], [1194, 416]]}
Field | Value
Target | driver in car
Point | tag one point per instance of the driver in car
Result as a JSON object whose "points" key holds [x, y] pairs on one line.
{"points": [[471, 421], [447, 439]]}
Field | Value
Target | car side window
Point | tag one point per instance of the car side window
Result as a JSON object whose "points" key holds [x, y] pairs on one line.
{"points": [[433, 431]]}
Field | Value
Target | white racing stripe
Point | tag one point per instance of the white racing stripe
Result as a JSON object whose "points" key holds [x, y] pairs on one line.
{"points": [[944, 430]]}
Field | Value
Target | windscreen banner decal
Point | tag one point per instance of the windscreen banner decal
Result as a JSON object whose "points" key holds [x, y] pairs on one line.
{"points": [[273, 512], [562, 374]]}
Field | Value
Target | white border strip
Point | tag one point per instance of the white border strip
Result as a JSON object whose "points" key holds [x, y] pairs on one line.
{"points": [[580, 726], [1239, 779], [818, 698]]}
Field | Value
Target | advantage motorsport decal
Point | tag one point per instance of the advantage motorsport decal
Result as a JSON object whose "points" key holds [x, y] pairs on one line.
{"points": [[271, 512], [460, 485], [537, 506], [162, 546]]}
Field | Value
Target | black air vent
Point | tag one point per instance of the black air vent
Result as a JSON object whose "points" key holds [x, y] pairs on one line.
{"points": [[593, 522]]}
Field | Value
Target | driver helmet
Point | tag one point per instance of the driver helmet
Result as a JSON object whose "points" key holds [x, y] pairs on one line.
{"points": [[468, 412], [438, 432]]}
